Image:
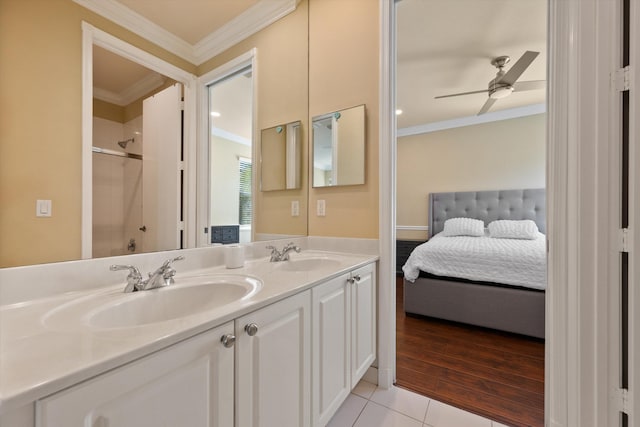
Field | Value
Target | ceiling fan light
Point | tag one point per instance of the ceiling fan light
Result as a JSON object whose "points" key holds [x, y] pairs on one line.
{"points": [[501, 92]]}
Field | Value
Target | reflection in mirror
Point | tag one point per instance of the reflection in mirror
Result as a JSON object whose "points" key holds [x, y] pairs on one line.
{"points": [[280, 156], [339, 147], [230, 161], [135, 180]]}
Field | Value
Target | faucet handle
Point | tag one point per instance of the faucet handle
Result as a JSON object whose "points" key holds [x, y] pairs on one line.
{"points": [[169, 261], [134, 278], [293, 246], [133, 270]]}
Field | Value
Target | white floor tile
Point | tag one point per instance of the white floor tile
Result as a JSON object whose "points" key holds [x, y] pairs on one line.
{"points": [[364, 389], [348, 412], [497, 424], [441, 415], [404, 401], [375, 415]]}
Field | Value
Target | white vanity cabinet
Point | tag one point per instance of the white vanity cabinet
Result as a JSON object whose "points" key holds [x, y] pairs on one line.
{"points": [[344, 338], [188, 384], [288, 364], [273, 365]]}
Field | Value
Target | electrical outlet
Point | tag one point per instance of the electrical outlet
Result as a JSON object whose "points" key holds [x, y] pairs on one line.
{"points": [[295, 208], [320, 208]]}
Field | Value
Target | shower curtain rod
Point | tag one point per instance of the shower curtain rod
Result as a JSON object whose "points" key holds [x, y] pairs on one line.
{"points": [[116, 153]]}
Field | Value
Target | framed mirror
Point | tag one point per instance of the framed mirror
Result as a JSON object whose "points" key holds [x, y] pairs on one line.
{"points": [[339, 147], [281, 158]]}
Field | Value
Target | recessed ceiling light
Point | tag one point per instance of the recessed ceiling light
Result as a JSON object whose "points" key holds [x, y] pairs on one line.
{"points": [[398, 112], [215, 114]]}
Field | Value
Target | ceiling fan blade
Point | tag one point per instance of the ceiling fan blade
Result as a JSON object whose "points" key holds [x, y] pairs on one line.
{"points": [[486, 106], [518, 68], [529, 85], [463, 93]]}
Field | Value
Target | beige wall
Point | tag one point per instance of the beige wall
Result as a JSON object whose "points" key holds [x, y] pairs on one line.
{"points": [[492, 156], [343, 72], [225, 179], [282, 81], [40, 128]]}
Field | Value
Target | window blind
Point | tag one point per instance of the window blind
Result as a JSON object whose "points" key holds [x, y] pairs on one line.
{"points": [[244, 167]]}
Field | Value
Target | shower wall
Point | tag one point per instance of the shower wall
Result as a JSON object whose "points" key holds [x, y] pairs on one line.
{"points": [[117, 189]]}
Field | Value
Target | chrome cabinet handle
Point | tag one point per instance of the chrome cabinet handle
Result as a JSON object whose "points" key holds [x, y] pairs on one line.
{"points": [[251, 329], [228, 340], [353, 279]]}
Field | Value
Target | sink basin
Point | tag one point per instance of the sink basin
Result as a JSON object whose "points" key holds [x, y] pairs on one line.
{"points": [[186, 297], [309, 264]]}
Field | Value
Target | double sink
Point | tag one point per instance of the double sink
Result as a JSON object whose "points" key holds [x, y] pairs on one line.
{"points": [[188, 296]]}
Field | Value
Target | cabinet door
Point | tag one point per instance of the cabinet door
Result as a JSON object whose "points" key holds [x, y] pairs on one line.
{"points": [[273, 365], [363, 321], [331, 341], [187, 384]]}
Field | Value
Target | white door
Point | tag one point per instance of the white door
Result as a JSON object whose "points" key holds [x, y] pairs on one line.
{"points": [[363, 321], [273, 369], [161, 189], [331, 307], [188, 384]]}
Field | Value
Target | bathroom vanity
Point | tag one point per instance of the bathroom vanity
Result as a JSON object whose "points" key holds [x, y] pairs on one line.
{"points": [[283, 345]]}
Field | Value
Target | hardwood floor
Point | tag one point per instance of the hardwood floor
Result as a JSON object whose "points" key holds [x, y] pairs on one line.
{"points": [[493, 374]]}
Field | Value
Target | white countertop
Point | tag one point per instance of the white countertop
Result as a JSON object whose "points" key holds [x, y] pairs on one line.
{"points": [[38, 359]]}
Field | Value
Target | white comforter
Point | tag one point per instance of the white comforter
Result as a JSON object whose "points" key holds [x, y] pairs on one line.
{"points": [[508, 261]]}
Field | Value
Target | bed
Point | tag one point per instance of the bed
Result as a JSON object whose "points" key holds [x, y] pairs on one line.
{"points": [[500, 306]]}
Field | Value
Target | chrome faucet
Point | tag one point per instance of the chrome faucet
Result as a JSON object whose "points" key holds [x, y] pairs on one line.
{"points": [[277, 256], [134, 278], [163, 276]]}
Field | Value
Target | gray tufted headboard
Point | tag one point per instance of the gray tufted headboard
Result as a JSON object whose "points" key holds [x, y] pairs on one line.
{"points": [[487, 206]]}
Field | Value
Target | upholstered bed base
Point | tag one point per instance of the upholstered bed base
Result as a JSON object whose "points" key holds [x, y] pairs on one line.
{"points": [[510, 309]]}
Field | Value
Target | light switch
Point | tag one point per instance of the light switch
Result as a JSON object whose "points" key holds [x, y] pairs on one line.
{"points": [[320, 208], [295, 208], [43, 208]]}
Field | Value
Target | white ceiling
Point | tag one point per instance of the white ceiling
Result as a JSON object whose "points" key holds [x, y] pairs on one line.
{"points": [[446, 46], [190, 20]]}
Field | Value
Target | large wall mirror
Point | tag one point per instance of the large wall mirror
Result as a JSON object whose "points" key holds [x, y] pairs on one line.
{"points": [[52, 153], [339, 147]]}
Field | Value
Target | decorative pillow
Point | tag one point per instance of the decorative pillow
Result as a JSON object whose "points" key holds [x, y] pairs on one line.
{"points": [[463, 227], [510, 229]]}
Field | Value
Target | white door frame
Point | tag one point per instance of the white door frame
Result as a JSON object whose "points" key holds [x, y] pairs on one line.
{"points": [[248, 58], [580, 179], [93, 36]]}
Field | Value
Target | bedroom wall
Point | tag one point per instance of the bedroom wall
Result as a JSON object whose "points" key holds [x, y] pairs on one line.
{"points": [[493, 156]]}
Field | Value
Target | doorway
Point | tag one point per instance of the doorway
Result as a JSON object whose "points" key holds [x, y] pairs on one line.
{"points": [[231, 157], [137, 149], [180, 158], [430, 130]]}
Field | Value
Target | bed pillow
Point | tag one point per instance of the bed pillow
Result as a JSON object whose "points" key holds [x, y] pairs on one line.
{"points": [[510, 229], [463, 227]]}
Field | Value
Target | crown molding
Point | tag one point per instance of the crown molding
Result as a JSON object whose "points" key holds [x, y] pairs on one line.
{"points": [[138, 24], [241, 27], [221, 133], [244, 25], [495, 116], [132, 93]]}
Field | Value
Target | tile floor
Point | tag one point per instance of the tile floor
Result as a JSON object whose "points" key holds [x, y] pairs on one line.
{"points": [[370, 406]]}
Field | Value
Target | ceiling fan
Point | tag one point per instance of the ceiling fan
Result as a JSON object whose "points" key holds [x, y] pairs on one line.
{"points": [[506, 83]]}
